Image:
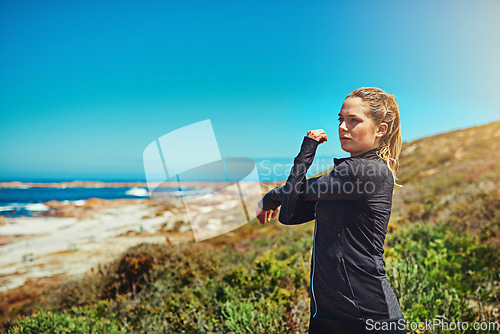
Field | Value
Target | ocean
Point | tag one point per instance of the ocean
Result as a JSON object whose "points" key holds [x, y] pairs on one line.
{"points": [[28, 201]]}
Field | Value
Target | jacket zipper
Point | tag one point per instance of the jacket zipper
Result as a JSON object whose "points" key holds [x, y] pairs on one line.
{"points": [[347, 276], [314, 261]]}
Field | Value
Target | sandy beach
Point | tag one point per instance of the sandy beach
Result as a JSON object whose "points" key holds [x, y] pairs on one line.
{"points": [[77, 238], [51, 246]]}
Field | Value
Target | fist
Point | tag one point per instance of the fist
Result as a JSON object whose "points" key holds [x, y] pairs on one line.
{"points": [[265, 216], [318, 135]]}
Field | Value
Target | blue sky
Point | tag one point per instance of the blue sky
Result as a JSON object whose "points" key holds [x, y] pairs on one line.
{"points": [[84, 88]]}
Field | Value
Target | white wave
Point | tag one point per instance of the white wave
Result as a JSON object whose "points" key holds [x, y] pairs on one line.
{"points": [[8, 208], [136, 191], [79, 202], [36, 207]]}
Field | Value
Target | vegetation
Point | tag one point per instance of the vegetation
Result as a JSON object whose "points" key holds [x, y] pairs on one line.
{"points": [[435, 271], [197, 288], [452, 178], [442, 260]]}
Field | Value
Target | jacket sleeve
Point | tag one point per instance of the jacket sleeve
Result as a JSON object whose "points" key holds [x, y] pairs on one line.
{"points": [[303, 211], [351, 180], [294, 208], [271, 200]]}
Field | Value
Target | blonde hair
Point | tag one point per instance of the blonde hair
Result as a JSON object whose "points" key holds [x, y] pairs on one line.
{"points": [[384, 109]]}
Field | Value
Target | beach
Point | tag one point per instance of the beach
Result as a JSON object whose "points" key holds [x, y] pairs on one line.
{"points": [[74, 238]]}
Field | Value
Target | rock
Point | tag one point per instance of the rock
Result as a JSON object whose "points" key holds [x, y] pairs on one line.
{"points": [[95, 203]]}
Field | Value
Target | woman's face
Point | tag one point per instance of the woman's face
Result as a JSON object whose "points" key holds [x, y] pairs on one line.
{"points": [[358, 132]]}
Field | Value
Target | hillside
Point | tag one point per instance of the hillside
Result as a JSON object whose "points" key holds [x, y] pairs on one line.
{"points": [[452, 178]]}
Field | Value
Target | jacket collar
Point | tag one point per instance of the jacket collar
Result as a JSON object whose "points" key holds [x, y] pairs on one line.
{"points": [[367, 155]]}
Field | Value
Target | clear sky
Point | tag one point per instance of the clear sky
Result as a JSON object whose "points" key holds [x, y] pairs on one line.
{"points": [[85, 87]]}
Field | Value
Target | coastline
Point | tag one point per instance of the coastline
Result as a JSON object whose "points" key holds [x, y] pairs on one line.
{"points": [[42, 247], [73, 239]]}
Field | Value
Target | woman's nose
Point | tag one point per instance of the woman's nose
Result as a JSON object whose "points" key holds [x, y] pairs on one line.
{"points": [[342, 126]]}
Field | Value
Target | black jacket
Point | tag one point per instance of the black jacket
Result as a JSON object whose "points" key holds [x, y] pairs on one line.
{"points": [[351, 206]]}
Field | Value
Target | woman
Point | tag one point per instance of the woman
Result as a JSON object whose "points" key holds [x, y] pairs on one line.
{"points": [[351, 206]]}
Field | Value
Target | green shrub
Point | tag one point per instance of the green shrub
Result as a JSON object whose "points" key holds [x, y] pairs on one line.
{"points": [[197, 288], [254, 316], [77, 292], [436, 272], [75, 320]]}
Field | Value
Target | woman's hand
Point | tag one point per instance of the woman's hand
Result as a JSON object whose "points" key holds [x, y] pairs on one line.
{"points": [[318, 135], [264, 216]]}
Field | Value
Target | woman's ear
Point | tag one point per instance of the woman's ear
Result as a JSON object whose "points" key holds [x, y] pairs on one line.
{"points": [[381, 130]]}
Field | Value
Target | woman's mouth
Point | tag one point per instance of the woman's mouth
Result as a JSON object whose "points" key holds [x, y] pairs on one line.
{"points": [[344, 138]]}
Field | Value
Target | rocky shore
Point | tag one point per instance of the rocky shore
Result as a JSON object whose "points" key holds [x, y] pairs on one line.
{"points": [[71, 239]]}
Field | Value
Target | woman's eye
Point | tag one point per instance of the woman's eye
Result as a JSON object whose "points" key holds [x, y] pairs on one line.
{"points": [[353, 120]]}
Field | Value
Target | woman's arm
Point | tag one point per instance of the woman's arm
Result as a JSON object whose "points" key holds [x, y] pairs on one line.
{"points": [[272, 199], [297, 210], [267, 208], [304, 211], [294, 208], [350, 180]]}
